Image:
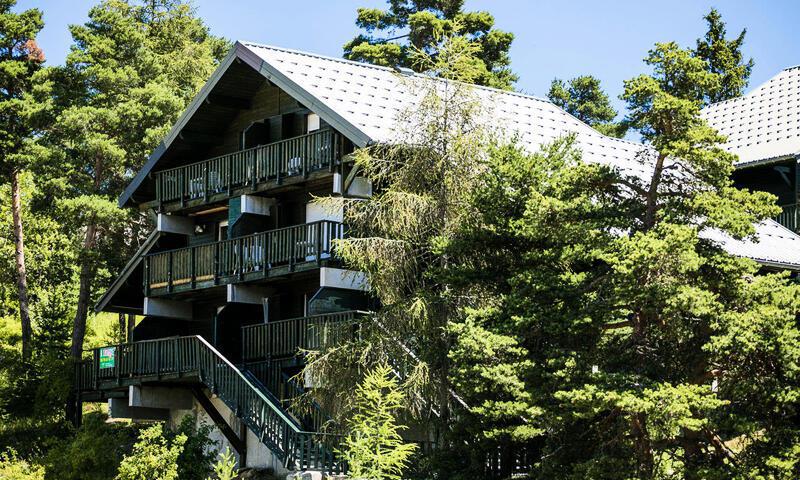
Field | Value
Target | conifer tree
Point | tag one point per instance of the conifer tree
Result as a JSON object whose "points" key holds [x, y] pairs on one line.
{"points": [[393, 36], [374, 449], [20, 58], [724, 57], [132, 69], [626, 341], [583, 98]]}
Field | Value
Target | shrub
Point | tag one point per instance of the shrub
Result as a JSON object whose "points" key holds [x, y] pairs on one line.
{"points": [[196, 461], [374, 448], [154, 456], [13, 468], [225, 468], [93, 453]]}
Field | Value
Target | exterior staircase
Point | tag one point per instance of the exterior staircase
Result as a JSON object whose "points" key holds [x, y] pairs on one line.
{"points": [[193, 360]]}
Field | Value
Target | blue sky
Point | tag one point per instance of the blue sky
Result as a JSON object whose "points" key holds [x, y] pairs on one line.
{"points": [[564, 38]]}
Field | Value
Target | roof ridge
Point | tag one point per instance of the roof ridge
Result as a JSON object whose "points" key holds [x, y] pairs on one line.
{"points": [[421, 76], [389, 69]]}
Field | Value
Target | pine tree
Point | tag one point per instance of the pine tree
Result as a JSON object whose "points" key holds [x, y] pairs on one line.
{"points": [[132, 70], [625, 341], [584, 98], [424, 25], [20, 58], [724, 58], [395, 235]]}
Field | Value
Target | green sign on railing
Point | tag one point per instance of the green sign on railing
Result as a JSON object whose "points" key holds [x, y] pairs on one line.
{"points": [[107, 357]]}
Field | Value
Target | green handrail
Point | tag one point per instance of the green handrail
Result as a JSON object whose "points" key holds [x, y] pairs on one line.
{"points": [[230, 261], [193, 356], [300, 155], [286, 337]]}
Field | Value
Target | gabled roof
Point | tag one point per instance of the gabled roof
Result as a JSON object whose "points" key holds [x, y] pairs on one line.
{"points": [[764, 124], [363, 102]]}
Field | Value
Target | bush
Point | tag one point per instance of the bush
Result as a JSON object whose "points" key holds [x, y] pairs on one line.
{"points": [[94, 453], [13, 468], [154, 456], [225, 468], [196, 461]]}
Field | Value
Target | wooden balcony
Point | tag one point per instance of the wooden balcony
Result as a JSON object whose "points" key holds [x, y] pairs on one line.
{"points": [[253, 169], [788, 217], [248, 258]]}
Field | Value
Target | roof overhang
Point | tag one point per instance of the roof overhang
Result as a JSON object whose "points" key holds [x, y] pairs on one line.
{"points": [[242, 53], [766, 161], [105, 303]]}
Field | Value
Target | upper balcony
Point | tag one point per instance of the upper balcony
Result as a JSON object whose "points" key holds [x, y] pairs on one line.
{"points": [[249, 258], [251, 170], [788, 217]]}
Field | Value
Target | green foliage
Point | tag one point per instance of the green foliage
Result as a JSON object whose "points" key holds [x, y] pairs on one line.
{"points": [[131, 71], [93, 453], [154, 456], [225, 467], [20, 58], [425, 25], [196, 460], [396, 234], [13, 468], [619, 335], [374, 448], [583, 98], [724, 58]]}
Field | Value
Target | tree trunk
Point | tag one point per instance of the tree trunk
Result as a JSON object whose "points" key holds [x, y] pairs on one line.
{"points": [[642, 446], [84, 292], [19, 256]]}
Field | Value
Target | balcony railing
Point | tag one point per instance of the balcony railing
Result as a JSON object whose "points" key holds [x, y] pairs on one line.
{"points": [[241, 259], [286, 337], [249, 168], [788, 217]]}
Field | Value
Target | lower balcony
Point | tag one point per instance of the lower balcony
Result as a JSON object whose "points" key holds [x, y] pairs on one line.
{"points": [[244, 259]]}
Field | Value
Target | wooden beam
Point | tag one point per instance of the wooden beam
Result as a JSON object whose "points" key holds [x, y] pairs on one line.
{"points": [[229, 102], [239, 443], [200, 137]]}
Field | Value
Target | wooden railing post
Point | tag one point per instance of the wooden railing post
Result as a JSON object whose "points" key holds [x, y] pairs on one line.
{"points": [[318, 243], [239, 259], [146, 276], [230, 173], [169, 270], [216, 263], [192, 268]]}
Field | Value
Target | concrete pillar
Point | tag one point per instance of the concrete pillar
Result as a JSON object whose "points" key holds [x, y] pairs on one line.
{"points": [[341, 278], [174, 224], [160, 397], [250, 294], [256, 205], [119, 408], [161, 307]]}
